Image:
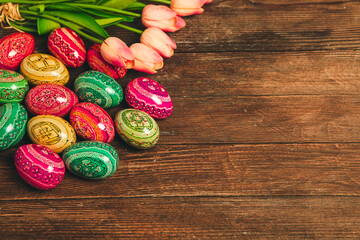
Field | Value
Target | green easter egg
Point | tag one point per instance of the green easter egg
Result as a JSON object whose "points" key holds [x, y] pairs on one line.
{"points": [[137, 128], [13, 119], [13, 86], [98, 88], [91, 160]]}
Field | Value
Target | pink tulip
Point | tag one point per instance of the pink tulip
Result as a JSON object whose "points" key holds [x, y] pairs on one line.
{"points": [[161, 17], [117, 53], [146, 59], [188, 7], [156, 39], [208, 1]]}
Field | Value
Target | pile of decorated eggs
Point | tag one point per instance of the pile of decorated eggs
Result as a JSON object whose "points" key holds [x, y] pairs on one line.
{"points": [[49, 102]]}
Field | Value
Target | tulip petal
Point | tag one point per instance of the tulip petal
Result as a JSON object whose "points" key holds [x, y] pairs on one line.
{"points": [[142, 67], [180, 23], [116, 52], [167, 25], [145, 53], [157, 12], [159, 41], [188, 11], [189, 4]]}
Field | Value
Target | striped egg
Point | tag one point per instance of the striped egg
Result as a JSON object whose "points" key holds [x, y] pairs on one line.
{"points": [[67, 46], [50, 99], [92, 122], [42, 68], [149, 96], [51, 131], [91, 160], [98, 88], [13, 86], [137, 128], [98, 63], [13, 118], [39, 166]]}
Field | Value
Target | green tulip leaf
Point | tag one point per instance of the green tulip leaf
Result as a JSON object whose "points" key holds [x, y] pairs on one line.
{"points": [[105, 22], [45, 26], [81, 19], [135, 6], [103, 14], [116, 3]]}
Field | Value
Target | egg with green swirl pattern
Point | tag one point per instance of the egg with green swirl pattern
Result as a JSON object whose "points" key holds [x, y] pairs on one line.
{"points": [[91, 159], [99, 88], [13, 86]]}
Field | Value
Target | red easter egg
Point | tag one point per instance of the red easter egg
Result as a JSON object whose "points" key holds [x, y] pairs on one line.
{"points": [[67, 46], [98, 63], [50, 99], [14, 48]]}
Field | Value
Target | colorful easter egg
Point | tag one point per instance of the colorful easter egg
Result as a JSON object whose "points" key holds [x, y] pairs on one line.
{"points": [[13, 86], [91, 160], [39, 166], [98, 63], [50, 99], [42, 68], [98, 88], [149, 96], [67, 46], [14, 48], [92, 122], [137, 128], [13, 118], [51, 131]]}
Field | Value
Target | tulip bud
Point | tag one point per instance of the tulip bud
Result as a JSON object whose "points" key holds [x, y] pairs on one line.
{"points": [[161, 17], [159, 41], [146, 59], [188, 7], [117, 53]]}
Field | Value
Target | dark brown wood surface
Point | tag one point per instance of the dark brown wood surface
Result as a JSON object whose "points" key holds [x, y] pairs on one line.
{"points": [[264, 141]]}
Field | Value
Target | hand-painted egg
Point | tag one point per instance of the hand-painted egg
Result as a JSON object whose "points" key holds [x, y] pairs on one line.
{"points": [[13, 118], [137, 128], [14, 48], [98, 63], [98, 88], [13, 86], [91, 160], [67, 46], [92, 122], [39, 166], [149, 96], [42, 68], [50, 99], [51, 131]]}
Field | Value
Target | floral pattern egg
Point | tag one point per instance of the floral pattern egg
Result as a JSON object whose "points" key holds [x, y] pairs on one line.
{"points": [[50, 99], [39, 166], [67, 46], [14, 48], [13, 86], [98, 88], [51, 131], [92, 122], [91, 160], [149, 96], [42, 68], [98, 63], [13, 118], [137, 128]]}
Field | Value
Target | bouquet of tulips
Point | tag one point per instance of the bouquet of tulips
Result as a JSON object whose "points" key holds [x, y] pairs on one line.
{"points": [[89, 18]]}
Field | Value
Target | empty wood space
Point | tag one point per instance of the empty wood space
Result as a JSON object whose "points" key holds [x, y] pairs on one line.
{"points": [[264, 141]]}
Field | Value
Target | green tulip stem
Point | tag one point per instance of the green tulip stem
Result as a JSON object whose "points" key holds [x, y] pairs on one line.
{"points": [[88, 6], [34, 2], [129, 28], [162, 1]]}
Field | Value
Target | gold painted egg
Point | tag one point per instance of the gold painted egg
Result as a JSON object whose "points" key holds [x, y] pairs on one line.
{"points": [[42, 68], [51, 131]]}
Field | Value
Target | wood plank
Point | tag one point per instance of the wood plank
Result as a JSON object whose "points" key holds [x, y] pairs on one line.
{"points": [[183, 218], [293, 2], [223, 170], [242, 25]]}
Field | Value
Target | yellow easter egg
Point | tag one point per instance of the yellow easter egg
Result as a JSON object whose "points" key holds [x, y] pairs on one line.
{"points": [[42, 68], [51, 131]]}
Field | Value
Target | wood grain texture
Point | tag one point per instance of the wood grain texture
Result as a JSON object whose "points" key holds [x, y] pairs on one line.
{"points": [[222, 170], [183, 218]]}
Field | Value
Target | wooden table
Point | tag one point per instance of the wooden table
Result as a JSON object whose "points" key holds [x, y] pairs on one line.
{"points": [[264, 141]]}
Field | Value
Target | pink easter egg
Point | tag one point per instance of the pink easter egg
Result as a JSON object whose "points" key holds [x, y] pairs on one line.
{"points": [[98, 63], [14, 48], [92, 122], [39, 166], [67, 46], [149, 96], [50, 99]]}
